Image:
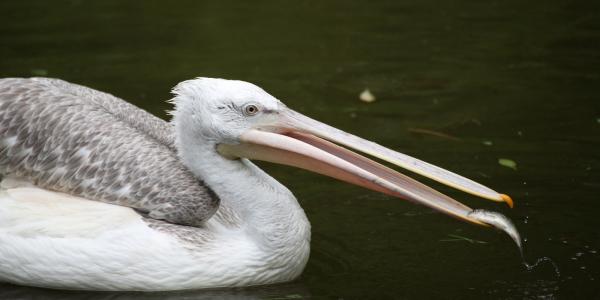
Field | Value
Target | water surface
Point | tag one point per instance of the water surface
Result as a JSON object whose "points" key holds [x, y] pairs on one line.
{"points": [[518, 80]]}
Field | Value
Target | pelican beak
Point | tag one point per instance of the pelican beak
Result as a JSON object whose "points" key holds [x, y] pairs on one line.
{"points": [[291, 138]]}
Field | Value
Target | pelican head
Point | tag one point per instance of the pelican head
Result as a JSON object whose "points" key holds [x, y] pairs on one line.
{"points": [[244, 121]]}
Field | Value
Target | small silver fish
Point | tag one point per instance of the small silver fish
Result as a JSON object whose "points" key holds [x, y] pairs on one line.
{"points": [[498, 221], [501, 222]]}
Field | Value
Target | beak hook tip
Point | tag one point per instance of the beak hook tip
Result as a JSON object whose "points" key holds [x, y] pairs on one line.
{"points": [[508, 200]]}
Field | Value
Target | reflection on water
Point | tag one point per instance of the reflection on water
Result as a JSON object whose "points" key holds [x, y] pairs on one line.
{"points": [[272, 292], [511, 79]]}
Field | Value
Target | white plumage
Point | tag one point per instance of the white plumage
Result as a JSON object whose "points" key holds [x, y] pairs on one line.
{"points": [[55, 240]]}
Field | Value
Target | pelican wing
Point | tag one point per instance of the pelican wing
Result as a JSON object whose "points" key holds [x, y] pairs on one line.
{"points": [[73, 139]]}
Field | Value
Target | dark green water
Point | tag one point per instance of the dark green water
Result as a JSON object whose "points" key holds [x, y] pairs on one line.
{"points": [[522, 77]]}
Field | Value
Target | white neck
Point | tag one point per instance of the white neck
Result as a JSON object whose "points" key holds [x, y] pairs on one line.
{"points": [[268, 210]]}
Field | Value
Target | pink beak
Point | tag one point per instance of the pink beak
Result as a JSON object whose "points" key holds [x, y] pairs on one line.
{"points": [[293, 139]]}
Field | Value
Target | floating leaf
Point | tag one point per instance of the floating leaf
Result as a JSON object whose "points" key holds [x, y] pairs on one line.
{"points": [[487, 143], [433, 133], [39, 72], [366, 96], [509, 163], [459, 238]]}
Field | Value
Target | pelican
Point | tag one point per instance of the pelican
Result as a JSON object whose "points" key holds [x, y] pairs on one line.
{"points": [[97, 194]]}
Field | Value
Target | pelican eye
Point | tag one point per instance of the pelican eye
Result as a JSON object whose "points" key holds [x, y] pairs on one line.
{"points": [[250, 109]]}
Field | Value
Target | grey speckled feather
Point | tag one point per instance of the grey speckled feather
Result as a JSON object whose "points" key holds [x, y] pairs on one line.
{"points": [[69, 138]]}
